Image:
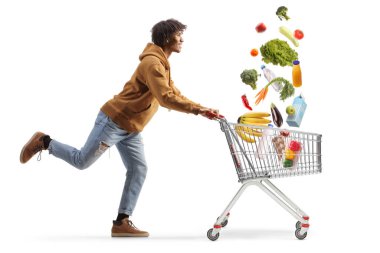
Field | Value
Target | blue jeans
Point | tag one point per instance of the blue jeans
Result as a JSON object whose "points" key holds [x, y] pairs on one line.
{"points": [[105, 134]]}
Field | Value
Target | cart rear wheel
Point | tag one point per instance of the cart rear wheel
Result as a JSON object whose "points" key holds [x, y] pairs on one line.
{"points": [[298, 234], [211, 237]]}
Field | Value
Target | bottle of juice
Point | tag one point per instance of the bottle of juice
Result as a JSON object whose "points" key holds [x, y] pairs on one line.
{"points": [[296, 73]]}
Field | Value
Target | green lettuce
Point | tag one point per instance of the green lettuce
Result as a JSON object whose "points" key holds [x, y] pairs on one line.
{"points": [[278, 52]]}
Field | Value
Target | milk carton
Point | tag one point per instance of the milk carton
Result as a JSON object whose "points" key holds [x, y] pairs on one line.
{"points": [[300, 105]]}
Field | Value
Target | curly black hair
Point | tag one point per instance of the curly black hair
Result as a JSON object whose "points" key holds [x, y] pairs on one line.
{"points": [[163, 31]]}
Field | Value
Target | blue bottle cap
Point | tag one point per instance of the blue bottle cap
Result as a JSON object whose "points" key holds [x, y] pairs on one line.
{"points": [[270, 125], [296, 62], [262, 66]]}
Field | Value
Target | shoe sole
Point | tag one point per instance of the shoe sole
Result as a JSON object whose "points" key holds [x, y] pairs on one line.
{"points": [[129, 235], [23, 148]]}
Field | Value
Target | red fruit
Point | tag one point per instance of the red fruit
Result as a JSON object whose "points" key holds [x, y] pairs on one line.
{"points": [[254, 52], [298, 34], [261, 28], [284, 133], [295, 146]]}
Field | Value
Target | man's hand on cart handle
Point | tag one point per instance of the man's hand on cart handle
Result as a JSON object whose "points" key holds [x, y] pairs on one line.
{"points": [[210, 113]]}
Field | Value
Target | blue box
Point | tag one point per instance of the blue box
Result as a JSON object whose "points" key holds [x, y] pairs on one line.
{"points": [[300, 105]]}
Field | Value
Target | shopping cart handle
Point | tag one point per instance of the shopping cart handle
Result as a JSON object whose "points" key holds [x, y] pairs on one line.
{"points": [[212, 115]]}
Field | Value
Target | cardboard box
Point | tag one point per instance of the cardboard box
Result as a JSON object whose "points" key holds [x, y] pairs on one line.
{"points": [[300, 105]]}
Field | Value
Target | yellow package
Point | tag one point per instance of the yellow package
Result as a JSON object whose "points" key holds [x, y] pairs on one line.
{"points": [[289, 154]]}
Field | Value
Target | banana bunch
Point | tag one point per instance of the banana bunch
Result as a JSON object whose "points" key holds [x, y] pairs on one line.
{"points": [[248, 134], [255, 118]]}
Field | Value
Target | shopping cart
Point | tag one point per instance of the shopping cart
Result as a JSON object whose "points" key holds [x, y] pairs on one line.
{"points": [[260, 153]]}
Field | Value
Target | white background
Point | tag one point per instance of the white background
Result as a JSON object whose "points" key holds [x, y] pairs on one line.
{"points": [[61, 60]]}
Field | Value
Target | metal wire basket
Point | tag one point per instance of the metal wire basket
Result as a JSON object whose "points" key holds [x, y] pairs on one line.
{"points": [[261, 151]]}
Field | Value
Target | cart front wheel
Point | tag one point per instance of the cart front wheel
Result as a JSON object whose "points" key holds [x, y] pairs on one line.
{"points": [[298, 224], [211, 237], [298, 234]]}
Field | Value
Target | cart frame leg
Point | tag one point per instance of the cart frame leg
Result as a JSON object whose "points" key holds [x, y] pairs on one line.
{"points": [[224, 216], [285, 203], [283, 200], [272, 191]]}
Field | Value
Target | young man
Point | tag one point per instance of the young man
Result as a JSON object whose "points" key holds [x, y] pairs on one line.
{"points": [[122, 119]]}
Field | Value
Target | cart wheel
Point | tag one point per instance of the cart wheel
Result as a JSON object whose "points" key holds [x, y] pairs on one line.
{"points": [[298, 224], [298, 235], [211, 237]]}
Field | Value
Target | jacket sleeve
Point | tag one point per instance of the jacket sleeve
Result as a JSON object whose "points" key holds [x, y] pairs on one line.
{"points": [[178, 93], [168, 96]]}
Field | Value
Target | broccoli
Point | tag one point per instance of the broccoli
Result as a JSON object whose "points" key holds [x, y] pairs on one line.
{"points": [[282, 13], [249, 76]]}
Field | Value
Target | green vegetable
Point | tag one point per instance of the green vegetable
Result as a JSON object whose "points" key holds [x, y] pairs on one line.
{"points": [[288, 163], [287, 91], [282, 13], [278, 52], [249, 76], [288, 34]]}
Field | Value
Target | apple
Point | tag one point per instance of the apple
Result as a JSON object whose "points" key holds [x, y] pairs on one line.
{"points": [[261, 28], [290, 110]]}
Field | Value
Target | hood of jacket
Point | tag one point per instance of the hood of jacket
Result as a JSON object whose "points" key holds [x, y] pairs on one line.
{"points": [[154, 50]]}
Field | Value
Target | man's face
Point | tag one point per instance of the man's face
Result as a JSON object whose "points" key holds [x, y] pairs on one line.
{"points": [[176, 44]]}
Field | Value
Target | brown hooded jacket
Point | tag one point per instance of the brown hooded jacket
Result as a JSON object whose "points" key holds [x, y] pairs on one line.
{"points": [[149, 87]]}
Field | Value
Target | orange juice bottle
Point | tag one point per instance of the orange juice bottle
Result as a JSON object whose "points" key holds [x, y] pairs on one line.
{"points": [[297, 74]]}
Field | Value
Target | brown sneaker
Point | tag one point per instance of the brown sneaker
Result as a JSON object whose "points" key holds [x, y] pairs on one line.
{"points": [[32, 147], [126, 228]]}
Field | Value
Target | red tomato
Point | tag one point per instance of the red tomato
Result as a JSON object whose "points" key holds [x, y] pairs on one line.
{"points": [[261, 28], [254, 52], [298, 34], [295, 146]]}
